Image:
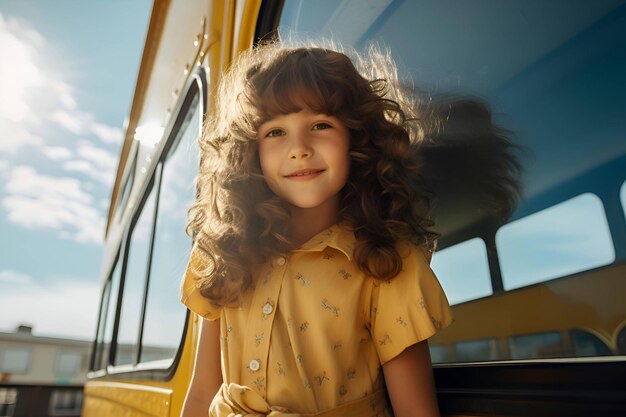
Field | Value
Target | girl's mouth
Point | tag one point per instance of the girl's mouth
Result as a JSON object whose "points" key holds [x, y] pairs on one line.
{"points": [[304, 174]]}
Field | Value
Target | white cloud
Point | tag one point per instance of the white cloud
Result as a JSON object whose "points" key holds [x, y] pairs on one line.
{"points": [[96, 163], [59, 203], [108, 134], [14, 277], [19, 73], [14, 136], [24, 180], [84, 123], [100, 157], [48, 308], [72, 121], [64, 93], [56, 153], [33, 98]]}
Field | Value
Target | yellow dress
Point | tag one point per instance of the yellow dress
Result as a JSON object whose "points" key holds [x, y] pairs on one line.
{"points": [[314, 331]]}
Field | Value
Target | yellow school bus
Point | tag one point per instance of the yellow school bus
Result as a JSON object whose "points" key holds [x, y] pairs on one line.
{"points": [[538, 284]]}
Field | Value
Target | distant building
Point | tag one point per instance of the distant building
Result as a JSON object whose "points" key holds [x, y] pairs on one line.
{"points": [[26, 358]]}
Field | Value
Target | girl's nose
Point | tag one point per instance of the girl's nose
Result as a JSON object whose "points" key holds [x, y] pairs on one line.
{"points": [[296, 155], [300, 148]]}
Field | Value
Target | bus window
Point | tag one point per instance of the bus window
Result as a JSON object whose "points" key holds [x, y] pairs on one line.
{"points": [[463, 271], [539, 345], [621, 341], [107, 317], [552, 84], [569, 237], [165, 315], [439, 353], [477, 350], [128, 185], [588, 344], [622, 195], [134, 284]]}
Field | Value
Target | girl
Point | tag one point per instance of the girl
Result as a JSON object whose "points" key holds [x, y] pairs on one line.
{"points": [[311, 244]]}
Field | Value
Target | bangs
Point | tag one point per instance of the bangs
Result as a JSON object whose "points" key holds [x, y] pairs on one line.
{"points": [[315, 80]]}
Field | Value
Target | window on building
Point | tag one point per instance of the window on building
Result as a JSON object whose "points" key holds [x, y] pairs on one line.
{"points": [[69, 363], [15, 360], [65, 402], [8, 400]]}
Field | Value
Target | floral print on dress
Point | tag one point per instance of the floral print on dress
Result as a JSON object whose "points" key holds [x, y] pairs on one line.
{"points": [[306, 383], [385, 340], [280, 370], [259, 384], [332, 308], [304, 282], [345, 274], [321, 378], [312, 289]]}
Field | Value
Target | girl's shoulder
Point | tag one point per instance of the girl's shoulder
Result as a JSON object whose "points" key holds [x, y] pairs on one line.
{"points": [[190, 294]]}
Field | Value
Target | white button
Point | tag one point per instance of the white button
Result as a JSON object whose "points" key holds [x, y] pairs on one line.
{"points": [[280, 261], [268, 308], [254, 365]]}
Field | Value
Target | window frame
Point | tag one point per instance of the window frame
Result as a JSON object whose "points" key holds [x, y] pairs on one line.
{"points": [[196, 86]]}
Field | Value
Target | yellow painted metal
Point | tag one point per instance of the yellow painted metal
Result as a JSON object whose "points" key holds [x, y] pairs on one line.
{"points": [[559, 305], [212, 44], [108, 398]]}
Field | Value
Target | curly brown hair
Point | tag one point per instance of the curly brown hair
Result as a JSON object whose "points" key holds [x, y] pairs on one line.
{"points": [[237, 223]]}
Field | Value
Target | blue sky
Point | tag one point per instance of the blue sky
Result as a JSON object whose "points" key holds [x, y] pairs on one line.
{"points": [[67, 75]]}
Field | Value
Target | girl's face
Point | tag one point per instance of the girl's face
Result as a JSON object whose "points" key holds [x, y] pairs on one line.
{"points": [[304, 158]]}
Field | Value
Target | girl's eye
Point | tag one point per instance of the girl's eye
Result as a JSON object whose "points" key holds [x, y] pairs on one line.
{"points": [[321, 126], [274, 133]]}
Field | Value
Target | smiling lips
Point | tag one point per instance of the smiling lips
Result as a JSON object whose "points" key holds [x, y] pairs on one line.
{"points": [[304, 174]]}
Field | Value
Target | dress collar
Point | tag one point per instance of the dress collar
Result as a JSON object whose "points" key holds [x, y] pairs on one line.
{"points": [[336, 236]]}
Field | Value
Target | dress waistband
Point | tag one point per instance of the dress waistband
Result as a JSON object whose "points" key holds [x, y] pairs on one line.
{"points": [[234, 400]]}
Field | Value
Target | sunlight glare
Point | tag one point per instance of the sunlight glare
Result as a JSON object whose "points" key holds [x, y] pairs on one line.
{"points": [[18, 73], [149, 134]]}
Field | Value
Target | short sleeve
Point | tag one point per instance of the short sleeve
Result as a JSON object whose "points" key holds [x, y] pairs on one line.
{"points": [[190, 292], [409, 308]]}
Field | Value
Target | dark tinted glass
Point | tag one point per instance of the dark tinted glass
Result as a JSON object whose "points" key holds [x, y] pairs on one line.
{"points": [[529, 84]]}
